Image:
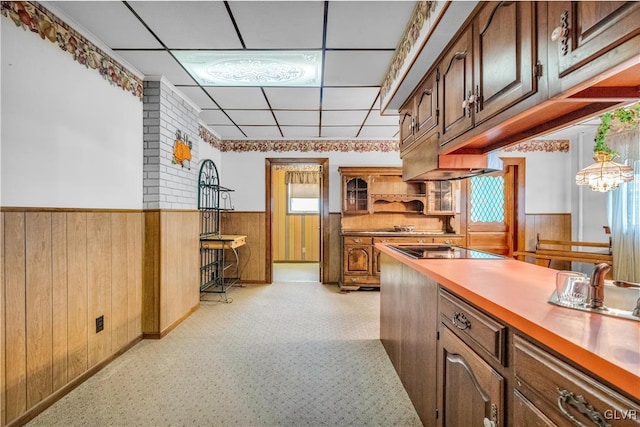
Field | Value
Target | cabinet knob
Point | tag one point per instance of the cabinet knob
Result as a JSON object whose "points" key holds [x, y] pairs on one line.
{"points": [[354, 280], [488, 423], [558, 33]]}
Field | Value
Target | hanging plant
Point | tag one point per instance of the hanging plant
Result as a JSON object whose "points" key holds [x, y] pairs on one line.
{"points": [[621, 119]]}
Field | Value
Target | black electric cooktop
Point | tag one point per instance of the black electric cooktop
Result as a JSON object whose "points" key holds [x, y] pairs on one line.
{"points": [[442, 251]]}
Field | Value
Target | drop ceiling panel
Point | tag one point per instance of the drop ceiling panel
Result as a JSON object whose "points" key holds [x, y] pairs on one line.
{"points": [[227, 132], [238, 97], [111, 22], [251, 117], [197, 95], [355, 68], [302, 132], [298, 118], [339, 118], [157, 63], [340, 131], [378, 24], [379, 132], [215, 117], [293, 98], [261, 132], [376, 119], [349, 98], [279, 24], [189, 24]]}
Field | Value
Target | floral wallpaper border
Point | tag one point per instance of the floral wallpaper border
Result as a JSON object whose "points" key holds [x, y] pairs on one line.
{"points": [[34, 17], [548, 146], [421, 13], [321, 146]]}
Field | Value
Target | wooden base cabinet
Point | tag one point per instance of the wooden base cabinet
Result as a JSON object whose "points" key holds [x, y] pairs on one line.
{"points": [[470, 391], [485, 372]]}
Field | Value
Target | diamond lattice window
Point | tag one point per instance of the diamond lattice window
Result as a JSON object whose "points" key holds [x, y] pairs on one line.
{"points": [[487, 199]]}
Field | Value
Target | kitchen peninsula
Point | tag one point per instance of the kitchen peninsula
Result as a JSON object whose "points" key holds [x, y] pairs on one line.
{"points": [[503, 352]]}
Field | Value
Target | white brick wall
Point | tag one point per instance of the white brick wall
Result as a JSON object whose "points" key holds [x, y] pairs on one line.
{"points": [[167, 185]]}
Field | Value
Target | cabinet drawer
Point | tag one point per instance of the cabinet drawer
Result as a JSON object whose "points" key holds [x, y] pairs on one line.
{"points": [[474, 326], [564, 394], [404, 240], [353, 240], [361, 280]]}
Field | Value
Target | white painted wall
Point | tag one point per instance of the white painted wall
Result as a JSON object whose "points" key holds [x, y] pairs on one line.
{"points": [[244, 172], [548, 181], [69, 138]]}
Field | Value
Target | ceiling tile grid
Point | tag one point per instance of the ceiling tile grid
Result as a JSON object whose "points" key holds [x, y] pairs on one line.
{"points": [[356, 39]]}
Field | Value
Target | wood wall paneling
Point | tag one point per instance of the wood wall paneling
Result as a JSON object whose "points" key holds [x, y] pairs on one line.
{"points": [[2, 335], [253, 254], [119, 285], [134, 274], [180, 265], [78, 294], [60, 298], [550, 226], [151, 273], [15, 315], [39, 306], [99, 281]]}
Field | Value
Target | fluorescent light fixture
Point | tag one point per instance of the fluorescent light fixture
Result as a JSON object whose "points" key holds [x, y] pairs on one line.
{"points": [[253, 67]]}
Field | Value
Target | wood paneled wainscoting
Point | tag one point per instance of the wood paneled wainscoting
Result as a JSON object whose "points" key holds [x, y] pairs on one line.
{"points": [[253, 254], [170, 291], [61, 270]]}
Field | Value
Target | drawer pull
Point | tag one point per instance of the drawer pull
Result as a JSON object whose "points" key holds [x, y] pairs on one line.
{"points": [[357, 240], [460, 321], [580, 404]]}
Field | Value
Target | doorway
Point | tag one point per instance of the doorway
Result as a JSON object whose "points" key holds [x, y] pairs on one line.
{"points": [[494, 211], [296, 229]]}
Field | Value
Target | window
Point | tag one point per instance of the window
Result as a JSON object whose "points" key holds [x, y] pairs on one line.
{"points": [[487, 199], [303, 198]]}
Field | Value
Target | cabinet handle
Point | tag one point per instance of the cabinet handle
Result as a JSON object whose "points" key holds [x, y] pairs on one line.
{"points": [[476, 100], [460, 321], [580, 404], [493, 422], [354, 280], [561, 33], [357, 240], [385, 240]]}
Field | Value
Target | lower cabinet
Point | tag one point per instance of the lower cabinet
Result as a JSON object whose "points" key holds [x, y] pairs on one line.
{"points": [[462, 366], [552, 392], [470, 391]]}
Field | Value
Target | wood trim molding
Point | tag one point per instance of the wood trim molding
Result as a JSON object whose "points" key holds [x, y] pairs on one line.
{"points": [[47, 209], [171, 327], [324, 214]]}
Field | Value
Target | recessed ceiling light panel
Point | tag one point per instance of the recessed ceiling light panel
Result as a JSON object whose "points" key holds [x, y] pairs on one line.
{"points": [[253, 68]]}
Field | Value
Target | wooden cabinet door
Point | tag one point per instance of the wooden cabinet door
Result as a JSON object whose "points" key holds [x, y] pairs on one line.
{"points": [[471, 392], [504, 57], [357, 260], [589, 37], [456, 78], [406, 125], [355, 195], [426, 106]]}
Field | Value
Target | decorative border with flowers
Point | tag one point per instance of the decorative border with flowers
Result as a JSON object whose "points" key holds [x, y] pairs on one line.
{"points": [[548, 146], [34, 17], [320, 145], [421, 13]]}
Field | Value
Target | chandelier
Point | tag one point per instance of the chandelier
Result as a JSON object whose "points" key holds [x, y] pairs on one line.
{"points": [[605, 175]]}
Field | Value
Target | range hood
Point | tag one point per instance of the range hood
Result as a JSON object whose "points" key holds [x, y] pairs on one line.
{"points": [[427, 165]]}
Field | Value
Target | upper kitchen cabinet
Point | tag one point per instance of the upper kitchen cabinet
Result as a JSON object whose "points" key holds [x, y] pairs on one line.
{"points": [[492, 66], [419, 115], [589, 40]]}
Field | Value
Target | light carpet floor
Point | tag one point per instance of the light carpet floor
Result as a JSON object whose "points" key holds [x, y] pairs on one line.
{"points": [[286, 354], [296, 272]]}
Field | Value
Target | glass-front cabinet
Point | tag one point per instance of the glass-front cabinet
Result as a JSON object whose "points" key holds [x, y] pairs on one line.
{"points": [[440, 198], [356, 195]]}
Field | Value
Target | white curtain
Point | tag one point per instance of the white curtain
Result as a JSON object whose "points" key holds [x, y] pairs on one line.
{"points": [[624, 209]]}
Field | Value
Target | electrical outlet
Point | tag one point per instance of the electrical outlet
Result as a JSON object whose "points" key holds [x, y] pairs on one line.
{"points": [[99, 324]]}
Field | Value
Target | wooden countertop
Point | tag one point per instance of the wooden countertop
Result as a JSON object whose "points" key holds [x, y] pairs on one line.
{"points": [[516, 292]]}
